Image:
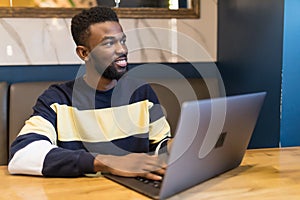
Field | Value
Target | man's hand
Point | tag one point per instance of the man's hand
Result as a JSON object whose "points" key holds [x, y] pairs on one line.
{"points": [[131, 165], [169, 144]]}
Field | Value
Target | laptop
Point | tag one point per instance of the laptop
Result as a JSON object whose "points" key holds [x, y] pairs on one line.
{"points": [[211, 138]]}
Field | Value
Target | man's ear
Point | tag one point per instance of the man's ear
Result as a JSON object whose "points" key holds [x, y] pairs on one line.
{"points": [[82, 52]]}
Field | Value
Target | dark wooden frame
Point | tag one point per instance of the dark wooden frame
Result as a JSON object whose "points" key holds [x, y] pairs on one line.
{"points": [[32, 12]]}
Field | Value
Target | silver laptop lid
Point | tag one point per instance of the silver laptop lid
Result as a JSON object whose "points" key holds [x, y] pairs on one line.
{"points": [[211, 138]]}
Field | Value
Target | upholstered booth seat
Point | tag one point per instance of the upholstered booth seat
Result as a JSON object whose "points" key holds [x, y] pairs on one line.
{"points": [[173, 92], [22, 97]]}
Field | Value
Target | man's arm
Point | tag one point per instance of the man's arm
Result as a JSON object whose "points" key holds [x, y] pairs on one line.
{"points": [[169, 144], [35, 152]]}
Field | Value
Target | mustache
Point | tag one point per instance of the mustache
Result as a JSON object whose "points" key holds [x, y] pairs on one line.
{"points": [[96, 61], [122, 56]]}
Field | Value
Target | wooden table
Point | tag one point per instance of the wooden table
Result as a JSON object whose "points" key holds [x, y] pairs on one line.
{"points": [[264, 174]]}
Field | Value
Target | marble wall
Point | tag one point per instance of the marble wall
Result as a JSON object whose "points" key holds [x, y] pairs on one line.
{"points": [[39, 41]]}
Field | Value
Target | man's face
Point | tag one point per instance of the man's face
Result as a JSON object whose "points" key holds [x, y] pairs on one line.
{"points": [[108, 51]]}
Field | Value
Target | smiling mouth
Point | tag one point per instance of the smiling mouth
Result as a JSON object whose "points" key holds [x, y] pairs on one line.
{"points": [[121, 62]]}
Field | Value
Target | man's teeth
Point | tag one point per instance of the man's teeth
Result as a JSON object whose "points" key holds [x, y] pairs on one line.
{"points": [[121, 62]]}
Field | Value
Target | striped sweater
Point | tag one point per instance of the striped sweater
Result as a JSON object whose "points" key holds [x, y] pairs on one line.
{"points": [[72, 122]]}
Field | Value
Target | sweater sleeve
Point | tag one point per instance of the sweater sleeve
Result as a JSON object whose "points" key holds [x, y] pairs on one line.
{"points": [[159, 128], [35, 150]]}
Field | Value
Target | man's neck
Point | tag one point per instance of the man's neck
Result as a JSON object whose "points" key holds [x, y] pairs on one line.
{"points": [[101, 84]]}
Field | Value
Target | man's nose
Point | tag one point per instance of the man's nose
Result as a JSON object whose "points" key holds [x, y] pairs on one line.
{"points": [[121, 48]]}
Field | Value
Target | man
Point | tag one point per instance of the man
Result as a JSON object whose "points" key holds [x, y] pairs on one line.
{"points": [[103, 121]]}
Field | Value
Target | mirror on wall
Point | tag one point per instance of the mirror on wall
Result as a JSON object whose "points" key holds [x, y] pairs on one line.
{"points": [[124, 8]]}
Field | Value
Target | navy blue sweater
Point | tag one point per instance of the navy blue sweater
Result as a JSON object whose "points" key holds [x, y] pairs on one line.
{"points": [[72, 122]]}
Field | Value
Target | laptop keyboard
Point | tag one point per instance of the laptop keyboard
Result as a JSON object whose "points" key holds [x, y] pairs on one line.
{"points": [[153, 183], [145, 186]]}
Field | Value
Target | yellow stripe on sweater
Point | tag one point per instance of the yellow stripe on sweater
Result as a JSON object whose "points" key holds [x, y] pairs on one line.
{"points": [[102, 125], [39, 125]]}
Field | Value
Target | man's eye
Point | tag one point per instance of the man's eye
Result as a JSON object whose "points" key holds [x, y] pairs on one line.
{"points": [[110, 43], [123, 41]]}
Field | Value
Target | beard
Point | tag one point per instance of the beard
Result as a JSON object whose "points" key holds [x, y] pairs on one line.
{"points": [[111, 73]]}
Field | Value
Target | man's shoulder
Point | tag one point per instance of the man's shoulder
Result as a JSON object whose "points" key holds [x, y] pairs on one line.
{"points": [[58, 91], [59, 87]]}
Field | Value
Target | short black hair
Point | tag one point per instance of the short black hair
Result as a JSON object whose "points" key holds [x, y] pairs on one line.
{"points": [[81, 22]]}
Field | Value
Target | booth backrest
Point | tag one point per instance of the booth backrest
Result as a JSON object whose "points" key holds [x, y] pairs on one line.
{"points": [[3, 123], [22, 98], [173, 92]]}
